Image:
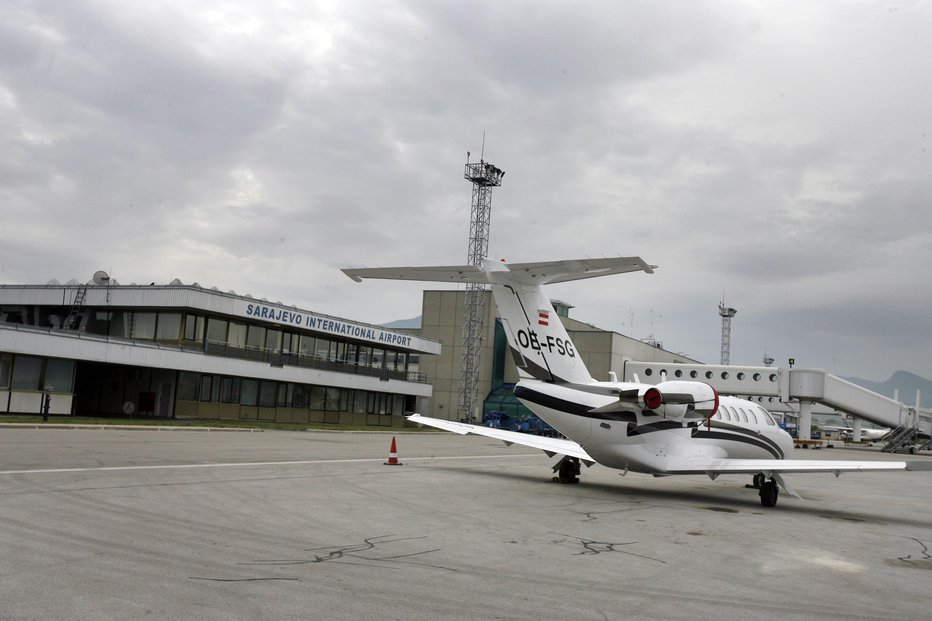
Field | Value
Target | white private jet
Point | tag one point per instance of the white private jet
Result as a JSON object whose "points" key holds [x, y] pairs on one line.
{"points": [[867, 433], [674, 427]]}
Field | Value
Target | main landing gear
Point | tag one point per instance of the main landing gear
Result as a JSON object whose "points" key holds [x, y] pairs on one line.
{"points": [[768, 489], [567, 470]]}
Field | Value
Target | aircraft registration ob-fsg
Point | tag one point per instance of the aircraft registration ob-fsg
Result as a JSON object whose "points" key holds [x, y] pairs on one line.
{"points": [[671, 428]]}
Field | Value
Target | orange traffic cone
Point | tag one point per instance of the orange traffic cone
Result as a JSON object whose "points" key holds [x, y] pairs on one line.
{"points": [[393, 455]]}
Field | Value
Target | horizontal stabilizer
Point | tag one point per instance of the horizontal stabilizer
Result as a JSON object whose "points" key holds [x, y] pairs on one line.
{"points": [[540, 273], [453, 273]]}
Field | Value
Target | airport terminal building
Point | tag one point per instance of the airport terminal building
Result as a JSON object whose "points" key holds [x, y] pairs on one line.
{"points": [[184, 351]]}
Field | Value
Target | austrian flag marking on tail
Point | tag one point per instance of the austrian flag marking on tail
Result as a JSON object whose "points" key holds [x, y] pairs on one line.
{"points": [[543, 317]]}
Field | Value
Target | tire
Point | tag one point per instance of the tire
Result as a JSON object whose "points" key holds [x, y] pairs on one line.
{"points": [[769, 493]]}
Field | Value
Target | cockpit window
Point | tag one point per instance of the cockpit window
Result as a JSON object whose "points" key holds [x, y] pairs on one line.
{"points": [[766, 416]]}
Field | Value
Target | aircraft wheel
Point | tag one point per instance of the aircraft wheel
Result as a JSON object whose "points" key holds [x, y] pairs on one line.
{"points": [[569, 471], [769, 493], [758, 480]]}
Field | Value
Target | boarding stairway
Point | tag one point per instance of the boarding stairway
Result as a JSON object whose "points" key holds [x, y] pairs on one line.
{"points": [[903, 438], [804, 387]]}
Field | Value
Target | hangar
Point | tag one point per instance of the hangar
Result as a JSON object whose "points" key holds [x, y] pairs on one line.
{"points": [[185, 351]]}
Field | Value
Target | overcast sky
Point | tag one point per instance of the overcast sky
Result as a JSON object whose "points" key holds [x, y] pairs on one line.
{"points": [[779, 153]]}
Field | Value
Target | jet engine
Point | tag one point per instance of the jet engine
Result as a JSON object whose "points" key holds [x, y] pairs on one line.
{"points": [[678, 400], [683, 401]]}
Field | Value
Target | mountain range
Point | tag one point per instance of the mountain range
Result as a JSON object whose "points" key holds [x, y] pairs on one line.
{"points": [[903, 381]]}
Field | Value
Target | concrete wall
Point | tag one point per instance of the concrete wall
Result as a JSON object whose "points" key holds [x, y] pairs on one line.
{"points": [[442, 316]]}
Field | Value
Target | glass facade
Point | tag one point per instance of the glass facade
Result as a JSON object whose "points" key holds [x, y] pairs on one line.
{"points": [[272, 394], [34, 373]]}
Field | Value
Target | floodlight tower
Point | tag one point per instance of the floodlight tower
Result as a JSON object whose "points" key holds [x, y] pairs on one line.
{"points": [[727, 314], [484, 177]]}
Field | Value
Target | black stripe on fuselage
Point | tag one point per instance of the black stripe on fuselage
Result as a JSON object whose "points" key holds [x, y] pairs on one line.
{"points": [[554, 403], [585, 411], [579, 409], [740, 435]]}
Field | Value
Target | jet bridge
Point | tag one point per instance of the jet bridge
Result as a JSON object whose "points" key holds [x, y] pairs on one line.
{"points": [[803, 386]]}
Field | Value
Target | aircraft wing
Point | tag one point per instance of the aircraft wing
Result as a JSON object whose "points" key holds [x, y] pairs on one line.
{"points": [[551, 446], [776, 467], [752, 466]]}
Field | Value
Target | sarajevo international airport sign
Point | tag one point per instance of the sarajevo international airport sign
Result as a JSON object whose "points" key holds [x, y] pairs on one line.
{"points": [[331, 325]]}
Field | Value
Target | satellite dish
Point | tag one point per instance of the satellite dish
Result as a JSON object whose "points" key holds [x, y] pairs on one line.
{"points": [[101, 278]]}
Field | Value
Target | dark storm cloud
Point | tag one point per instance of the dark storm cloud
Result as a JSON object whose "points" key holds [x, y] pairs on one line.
{"points": [[778, 154]]}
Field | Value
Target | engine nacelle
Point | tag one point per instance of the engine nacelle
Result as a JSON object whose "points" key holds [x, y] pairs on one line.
{"points": [[679, 400]]}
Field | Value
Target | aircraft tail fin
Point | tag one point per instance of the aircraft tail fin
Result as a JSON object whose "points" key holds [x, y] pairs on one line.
{"points": [[539, 342]]}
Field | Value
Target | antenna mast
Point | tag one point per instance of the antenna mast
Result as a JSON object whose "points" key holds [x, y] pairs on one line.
{"points": [[484, 177], [727, 314]]}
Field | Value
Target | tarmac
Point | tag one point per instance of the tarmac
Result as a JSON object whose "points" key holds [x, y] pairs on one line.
{"points": [[118, 524]]}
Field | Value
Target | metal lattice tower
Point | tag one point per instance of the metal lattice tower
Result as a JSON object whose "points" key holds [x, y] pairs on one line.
{"points": [[483, 177], [727, 314]]}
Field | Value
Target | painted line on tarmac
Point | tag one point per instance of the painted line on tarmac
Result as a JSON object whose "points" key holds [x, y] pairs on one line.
{"points": [[253, 463]]}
